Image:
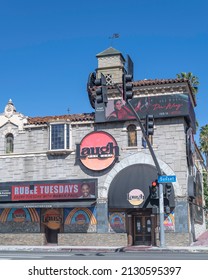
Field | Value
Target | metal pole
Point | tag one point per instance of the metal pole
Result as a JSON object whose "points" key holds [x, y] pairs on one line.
{"points": [[161, 202], [161, 210]]}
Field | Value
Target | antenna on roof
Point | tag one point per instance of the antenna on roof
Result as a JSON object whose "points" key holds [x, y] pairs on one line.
{"points": [[68, 110], [114, 36]]}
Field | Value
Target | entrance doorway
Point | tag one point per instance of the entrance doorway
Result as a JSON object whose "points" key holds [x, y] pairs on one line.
{"points": [[143, 229], [51, 235], [52, 224]]}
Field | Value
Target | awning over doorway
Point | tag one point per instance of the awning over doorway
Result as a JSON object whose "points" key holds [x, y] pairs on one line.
{"points": [[133, 180]]}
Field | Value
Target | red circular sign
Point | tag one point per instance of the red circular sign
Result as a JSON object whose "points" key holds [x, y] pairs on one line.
{"points": [[98, 150]]}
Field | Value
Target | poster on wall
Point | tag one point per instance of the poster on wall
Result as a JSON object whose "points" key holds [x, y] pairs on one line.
{"points": [[48, 190], [160, 106], [169, 222], [117, 222], [17, 220], [80, 220]]}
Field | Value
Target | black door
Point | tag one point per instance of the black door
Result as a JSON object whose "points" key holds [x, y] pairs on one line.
{"points": [[51, 235]]}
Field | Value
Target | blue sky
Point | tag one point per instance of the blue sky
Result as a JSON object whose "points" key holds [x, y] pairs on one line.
{"points": [[48, 48]]}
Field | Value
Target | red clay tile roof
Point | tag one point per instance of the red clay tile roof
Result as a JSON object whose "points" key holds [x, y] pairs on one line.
{"points": [[72, 118], [149, 82], [91, 116]]}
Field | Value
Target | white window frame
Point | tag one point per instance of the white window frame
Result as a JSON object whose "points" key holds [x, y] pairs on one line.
{"points": [[67, 145]]}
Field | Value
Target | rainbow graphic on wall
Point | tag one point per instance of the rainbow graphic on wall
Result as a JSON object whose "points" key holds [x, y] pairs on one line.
{"points": [[20, 215], [81, 216]]}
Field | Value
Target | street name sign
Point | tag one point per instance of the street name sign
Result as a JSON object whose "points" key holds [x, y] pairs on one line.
{"points": [[166, 179]]}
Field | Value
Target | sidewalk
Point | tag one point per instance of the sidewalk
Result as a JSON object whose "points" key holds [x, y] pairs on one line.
{"points": [[201, 245], [103, 249]]}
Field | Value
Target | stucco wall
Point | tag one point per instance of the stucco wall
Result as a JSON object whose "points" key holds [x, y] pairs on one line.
{"points": [[92, 239], [31, 239]]}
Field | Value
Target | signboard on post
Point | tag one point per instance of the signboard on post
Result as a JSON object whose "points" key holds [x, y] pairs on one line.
{"points": [[166, 179]]}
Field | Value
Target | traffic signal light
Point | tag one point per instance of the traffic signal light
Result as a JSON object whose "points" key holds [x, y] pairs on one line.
{"points": [[168, 189], [167, 209], [154, 190], [127, 86], [149, 125], [101, 90], [90, 85]]}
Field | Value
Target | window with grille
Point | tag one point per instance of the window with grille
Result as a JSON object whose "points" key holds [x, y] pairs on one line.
{"points": [[109, 80]]}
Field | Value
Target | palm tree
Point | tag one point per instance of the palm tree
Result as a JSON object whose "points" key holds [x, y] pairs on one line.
{"points": [[194, 81], [203, 140]]}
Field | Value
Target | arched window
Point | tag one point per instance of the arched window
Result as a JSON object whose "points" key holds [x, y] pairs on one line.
{"points": [[9, 143], [132, 135]]}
